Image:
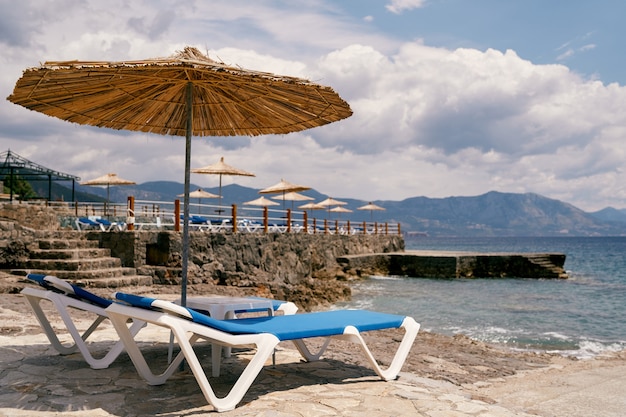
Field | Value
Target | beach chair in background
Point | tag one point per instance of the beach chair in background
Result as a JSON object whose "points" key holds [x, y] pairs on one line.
{"points": [[220, 225], [66, 297], [189, 326], [108, 225], [85, 223]]}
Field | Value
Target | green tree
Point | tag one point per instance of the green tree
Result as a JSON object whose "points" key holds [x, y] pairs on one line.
{"points": [[19, 186]]}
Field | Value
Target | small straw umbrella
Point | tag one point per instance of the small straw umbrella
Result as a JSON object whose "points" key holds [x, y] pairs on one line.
{"points": [[371, 207], [221, 168], [340, 209], [283, 187], [261, 201], [187, 94], [293, 196], [311, 206], [108, 180], [200, 194], [331, 202]]}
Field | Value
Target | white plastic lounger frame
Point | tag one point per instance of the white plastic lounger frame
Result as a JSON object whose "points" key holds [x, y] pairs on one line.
{"points": [[262, 332], [63, 296]]}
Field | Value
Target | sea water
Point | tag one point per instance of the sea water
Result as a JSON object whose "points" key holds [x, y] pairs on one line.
{"points": [[581, 316]]}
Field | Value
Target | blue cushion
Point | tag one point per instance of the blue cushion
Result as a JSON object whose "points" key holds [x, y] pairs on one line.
{"points": [[290, 327], [39, 279], [79, 292]]}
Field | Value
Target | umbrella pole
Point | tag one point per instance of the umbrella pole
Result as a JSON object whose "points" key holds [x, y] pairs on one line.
{"points": [[219, 211], [185, 263]]}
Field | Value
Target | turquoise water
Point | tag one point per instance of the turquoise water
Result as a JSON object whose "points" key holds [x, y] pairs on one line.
{"points": [[581, 316]]}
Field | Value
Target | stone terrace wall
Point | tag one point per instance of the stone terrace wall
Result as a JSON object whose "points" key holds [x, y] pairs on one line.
{"points": [[35, 216], [289, 266]]}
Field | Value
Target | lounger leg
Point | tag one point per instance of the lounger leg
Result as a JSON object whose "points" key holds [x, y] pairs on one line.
{"points": [[47, 327], [80, 340], [264, 349], [307, 354], [410, 327]]}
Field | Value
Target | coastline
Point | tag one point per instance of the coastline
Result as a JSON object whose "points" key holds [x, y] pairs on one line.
{"points": [[443, 375]]}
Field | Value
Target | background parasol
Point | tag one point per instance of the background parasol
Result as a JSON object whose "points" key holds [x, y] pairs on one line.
{"points": [[283, 187], [293, 196], [371, 207], [261, 201], [108, 180], [340, 209], [331, 202], [200, 194], [187, 95], [221, 168], [311, 206]]}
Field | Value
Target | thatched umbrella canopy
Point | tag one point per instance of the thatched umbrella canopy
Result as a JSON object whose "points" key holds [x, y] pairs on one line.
{"points": [[200, 194], [187, 94], [331, 202], [261, 201], [293, 196], [340, 209], [311, 206], [108, 180], [221, 168], [283, 187], [371, 207]]}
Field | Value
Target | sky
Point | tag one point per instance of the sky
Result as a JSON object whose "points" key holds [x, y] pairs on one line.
{"points": [[450, 97]]}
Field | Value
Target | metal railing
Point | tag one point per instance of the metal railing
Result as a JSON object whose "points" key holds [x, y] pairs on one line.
{"points": [[145, 214]]}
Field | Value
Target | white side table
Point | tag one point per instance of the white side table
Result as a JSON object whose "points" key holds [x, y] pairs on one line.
{"points": [[223, 308]]}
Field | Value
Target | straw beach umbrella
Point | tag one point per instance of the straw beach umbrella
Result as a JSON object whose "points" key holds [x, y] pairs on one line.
{"points": [[371, 207], [108, 180], [331, 202], [311, 206], [261, 201], [221, 168], [283, 187], [293, 196], [340, 209], [200, 194], [187, 95]]}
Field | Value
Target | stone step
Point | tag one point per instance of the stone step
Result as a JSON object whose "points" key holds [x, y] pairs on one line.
{"points": [[82, 253], [115, 282], [82, 276], [67, 244], [75, 264]]}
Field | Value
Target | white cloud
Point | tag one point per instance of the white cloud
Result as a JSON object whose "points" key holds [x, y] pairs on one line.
{"points": [[399, 6], [427, 121]]}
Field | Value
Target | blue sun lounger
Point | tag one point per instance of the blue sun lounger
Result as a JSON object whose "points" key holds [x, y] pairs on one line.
{"points": [[67, 297], [189, 326]]}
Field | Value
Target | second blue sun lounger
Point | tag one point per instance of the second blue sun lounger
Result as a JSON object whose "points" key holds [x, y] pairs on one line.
{"points": [[189, 326], [67, 297]]}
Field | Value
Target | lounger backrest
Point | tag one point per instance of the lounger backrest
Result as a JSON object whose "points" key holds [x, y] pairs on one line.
{"points": [[290, 327], [55, 284], [171, 308]]}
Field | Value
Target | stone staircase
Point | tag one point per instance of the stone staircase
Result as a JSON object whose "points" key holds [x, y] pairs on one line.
{"points": [[82, 262], [551, 265]]}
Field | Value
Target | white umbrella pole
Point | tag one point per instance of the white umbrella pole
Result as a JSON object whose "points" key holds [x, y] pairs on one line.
{"points": [[189, 105]]}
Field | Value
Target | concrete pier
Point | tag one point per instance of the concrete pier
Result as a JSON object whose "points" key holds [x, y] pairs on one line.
{"points": [[449, 264]]}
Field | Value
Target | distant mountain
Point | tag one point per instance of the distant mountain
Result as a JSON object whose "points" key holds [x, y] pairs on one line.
{"points": [[490, 214], [610, 214], [498, 214]]}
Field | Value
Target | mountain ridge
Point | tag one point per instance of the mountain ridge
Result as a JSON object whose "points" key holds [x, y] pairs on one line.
{"points": [[491, 214]]}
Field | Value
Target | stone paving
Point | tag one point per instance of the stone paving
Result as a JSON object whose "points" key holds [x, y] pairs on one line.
{"points": [[36, 381]]}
